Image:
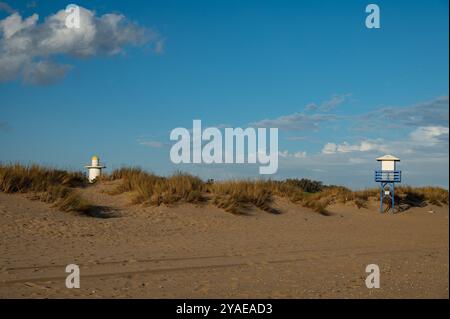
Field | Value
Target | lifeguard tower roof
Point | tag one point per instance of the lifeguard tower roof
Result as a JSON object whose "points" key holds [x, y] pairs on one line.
{"points": [[388, 158]]}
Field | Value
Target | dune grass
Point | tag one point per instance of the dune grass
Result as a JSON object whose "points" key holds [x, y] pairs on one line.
{"points": [[239, 196], [236, 196], [151, 189], [421, 196], [45, 184]]}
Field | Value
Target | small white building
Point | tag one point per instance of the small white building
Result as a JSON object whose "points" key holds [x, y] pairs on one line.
{"points": [[388, 162], [95, 169]]}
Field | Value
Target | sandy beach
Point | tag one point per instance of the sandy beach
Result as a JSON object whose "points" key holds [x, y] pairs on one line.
{"points": [[201, 251]]}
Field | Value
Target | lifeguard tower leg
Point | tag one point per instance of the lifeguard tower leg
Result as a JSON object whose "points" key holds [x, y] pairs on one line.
{"points": [[381, 198], [393, 198]]}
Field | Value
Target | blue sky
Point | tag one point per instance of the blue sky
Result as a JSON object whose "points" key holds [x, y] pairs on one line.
{"points": [[341, 94]]}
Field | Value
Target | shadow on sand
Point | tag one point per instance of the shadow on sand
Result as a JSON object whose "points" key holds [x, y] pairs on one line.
{"points": [[103, 212]]}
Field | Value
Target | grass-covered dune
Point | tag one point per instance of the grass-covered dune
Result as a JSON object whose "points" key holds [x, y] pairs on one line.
{"points": [[235, 196], [46, 184]]}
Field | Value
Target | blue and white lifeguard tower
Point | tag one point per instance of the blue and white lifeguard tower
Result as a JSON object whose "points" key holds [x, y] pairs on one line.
{"points": [[387, 177]]}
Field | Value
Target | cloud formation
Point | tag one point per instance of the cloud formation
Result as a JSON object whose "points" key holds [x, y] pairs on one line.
{"points": [[27, 47], [430, 135], [287, 154], [364, 146], [296, 121], [328, 105], [300, 121], [430, 113]]}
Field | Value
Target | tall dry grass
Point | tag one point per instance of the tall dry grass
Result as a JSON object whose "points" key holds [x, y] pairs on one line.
{"points": [[156, 190], [420, 196], [46, 184], [238, 196], [235, 196]]}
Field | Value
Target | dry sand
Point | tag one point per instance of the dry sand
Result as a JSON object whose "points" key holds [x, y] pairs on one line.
{"points": [[190, 251]]}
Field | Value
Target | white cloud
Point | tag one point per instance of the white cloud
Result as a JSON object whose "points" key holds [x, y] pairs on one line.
{"points": [[26, 46], [329, 148], [330, 104], [430, 135], [300, 154], [283, 153], [301, 120], [13, 24], [45, 72], [429, 113], [295, 121], [364, 146], [287, 154], [423, 140]]}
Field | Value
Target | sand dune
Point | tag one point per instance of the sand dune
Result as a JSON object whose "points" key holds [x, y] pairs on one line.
{"points": [[189, 251]]}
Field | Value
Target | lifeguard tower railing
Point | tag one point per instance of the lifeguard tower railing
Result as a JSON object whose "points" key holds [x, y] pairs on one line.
{"points": [[387, 180], [388, 176]]}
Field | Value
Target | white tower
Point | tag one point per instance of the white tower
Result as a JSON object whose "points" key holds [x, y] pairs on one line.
{"points": [[95, 169]]}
